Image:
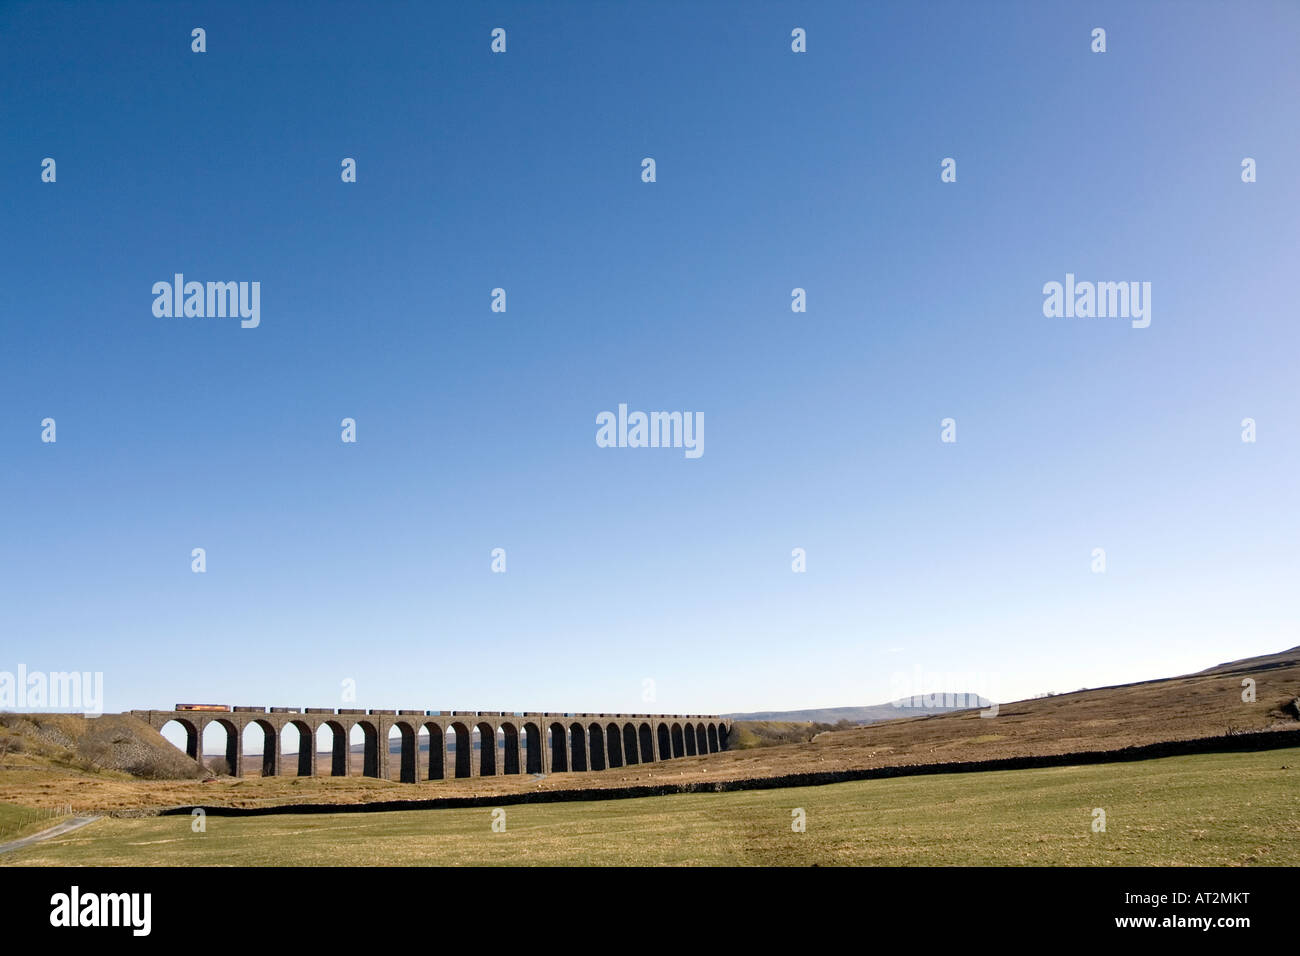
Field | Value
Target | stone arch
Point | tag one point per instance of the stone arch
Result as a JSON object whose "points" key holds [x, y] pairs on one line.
{"points": [[306, 747], [713, 738], [510, 757], [407, 749], [559, 750], [533, 745], [487, 749], [338, 746], [679, 749], [614, 743], [369, 746], [437, 750], [578, 746], [689, 734], [701, 739], [665, 743], [631, 754], [464, 752], [270, 745], [230, 748], [596, 744], [193, 741]]}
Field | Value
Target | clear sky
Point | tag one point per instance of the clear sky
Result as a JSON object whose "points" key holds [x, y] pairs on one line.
{"points": [[371, 561]]}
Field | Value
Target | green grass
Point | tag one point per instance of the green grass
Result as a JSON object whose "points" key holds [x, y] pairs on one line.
{"points": [[1206, 810], [18, 821]]}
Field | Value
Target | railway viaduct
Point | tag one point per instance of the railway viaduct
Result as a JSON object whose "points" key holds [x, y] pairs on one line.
{"points": [[538, 742]]}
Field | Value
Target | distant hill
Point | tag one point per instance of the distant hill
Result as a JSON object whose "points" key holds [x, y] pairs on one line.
{"points": [[873, 713]]}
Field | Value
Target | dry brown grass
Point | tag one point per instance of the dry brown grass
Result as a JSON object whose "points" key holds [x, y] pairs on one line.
{"points": [[1205, 704]]}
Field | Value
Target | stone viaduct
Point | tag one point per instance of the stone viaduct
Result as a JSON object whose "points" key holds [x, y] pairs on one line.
{"points": [[539, 742]]}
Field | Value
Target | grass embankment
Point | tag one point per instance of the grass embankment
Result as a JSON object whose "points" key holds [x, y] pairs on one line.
{"points": [[111, 747], [1214, 809]]}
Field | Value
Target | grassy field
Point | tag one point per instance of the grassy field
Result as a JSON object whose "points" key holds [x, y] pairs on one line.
{"points": [[19, 821], [1207, 809]]}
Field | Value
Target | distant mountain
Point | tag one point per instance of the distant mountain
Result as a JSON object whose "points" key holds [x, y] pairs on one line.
{"points": [[919, 706]]}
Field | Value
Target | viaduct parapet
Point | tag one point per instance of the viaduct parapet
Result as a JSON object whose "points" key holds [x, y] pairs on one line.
{"points": [[462, 743]]}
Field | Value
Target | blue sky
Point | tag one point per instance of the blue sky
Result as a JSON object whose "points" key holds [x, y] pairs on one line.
{"points": [[371, 562]]}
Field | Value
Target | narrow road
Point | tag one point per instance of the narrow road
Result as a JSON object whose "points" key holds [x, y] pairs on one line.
{"points": [[67, 826]]}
